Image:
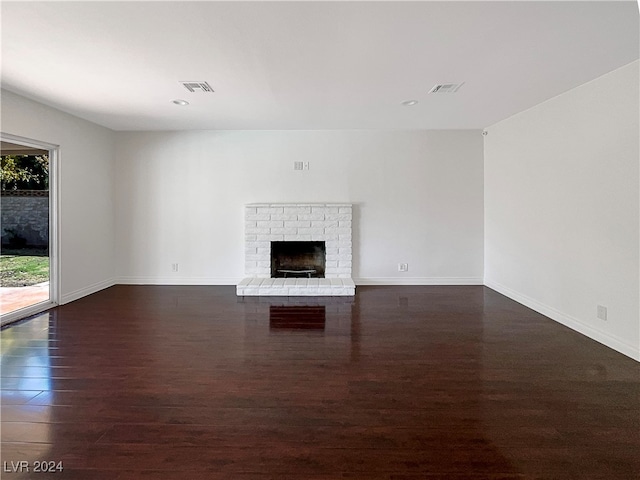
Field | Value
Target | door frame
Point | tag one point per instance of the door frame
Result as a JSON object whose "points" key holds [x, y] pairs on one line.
{"points": [[54, 230]]}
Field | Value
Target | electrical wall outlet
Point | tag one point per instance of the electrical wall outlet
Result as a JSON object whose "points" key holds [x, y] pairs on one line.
{"points": [[403, 267], [174, 267], [602, 312]]}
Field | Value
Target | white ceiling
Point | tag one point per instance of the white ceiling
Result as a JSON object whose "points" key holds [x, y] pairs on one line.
{"points": [[308, 65]]}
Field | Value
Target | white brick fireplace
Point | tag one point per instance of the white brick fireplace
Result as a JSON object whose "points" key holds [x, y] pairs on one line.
{"points": [[315, 222]]}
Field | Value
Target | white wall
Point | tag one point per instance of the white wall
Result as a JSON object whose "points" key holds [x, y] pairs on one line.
{"points": [[562, 208], [86, 213], [417, 194]]}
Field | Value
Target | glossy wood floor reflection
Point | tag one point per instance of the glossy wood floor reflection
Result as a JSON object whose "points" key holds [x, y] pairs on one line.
{"points": [[404, 383]]}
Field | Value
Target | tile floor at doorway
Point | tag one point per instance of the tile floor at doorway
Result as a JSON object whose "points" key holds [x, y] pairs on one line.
{"points": [[15, 298]]}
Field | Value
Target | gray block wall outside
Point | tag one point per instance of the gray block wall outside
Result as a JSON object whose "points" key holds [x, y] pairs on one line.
{"points": [[27, 216]]}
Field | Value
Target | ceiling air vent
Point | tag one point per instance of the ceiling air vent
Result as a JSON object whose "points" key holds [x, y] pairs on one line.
{"points": [[197, 87], [446, 88]]}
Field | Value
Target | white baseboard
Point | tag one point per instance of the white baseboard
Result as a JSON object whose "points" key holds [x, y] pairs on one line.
{"points": [[418, 281], [573, 323], [179, 280], [83, 292]]}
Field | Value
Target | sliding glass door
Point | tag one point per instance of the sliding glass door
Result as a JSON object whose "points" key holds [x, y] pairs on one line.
{"points": [[28, 256]]}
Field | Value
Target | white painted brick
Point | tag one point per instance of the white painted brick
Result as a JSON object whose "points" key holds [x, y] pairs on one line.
{"points": [[298, 224], [331, 223], [324, 224], [284, 231], [317, 237], [256, 216], [297, 238], [271, 238], [296, 210], [280, 292], [310, 292], [257, 231], [311, 231], [269, 210], [284, 217], [270, 224], [311, 216], [325, 210]]}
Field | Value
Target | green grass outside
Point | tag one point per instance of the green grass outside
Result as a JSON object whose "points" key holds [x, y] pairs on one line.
{"points": [[21, 268]]}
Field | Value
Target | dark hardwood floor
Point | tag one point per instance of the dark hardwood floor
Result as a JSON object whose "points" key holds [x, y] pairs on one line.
{"points": [[404, 383]]}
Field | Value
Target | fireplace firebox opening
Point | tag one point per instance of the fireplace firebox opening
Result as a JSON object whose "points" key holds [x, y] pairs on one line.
{"points": [[298, 259]]}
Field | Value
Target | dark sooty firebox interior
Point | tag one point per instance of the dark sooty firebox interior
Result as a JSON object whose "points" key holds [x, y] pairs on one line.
{"points": [[297, 259]]}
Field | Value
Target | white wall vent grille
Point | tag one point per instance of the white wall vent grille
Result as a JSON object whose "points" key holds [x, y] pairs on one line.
{"points": [[446, 88], [197, 87]]}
